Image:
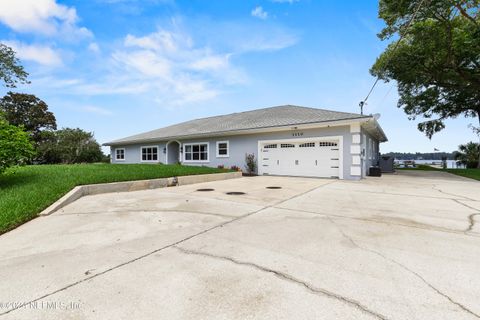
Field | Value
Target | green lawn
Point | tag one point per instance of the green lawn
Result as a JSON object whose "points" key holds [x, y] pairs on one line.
{"points": [[469, 173], [26, 191]]}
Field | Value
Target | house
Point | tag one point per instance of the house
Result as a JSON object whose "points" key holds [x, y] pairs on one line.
{"points": [[286, 140]]}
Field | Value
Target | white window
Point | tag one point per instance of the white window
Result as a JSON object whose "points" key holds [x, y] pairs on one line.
{"points": [[149, 154], [307, 145], [327, 144], [270, 146], [287, 145], [120, 154], [223, 149], [196, 152]]}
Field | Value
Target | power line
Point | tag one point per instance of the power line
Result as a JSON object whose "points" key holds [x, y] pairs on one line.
{"points": [[386, 94], [364, 101]]}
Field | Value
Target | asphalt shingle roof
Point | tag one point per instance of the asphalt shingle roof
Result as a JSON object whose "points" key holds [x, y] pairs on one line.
{"points": [[254, 119]]}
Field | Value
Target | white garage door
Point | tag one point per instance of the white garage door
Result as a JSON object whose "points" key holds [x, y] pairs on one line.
{"points": [[300, 158]]}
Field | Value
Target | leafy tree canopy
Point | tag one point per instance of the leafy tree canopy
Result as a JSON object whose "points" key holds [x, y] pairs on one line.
{"points": [[437, 63], [15, 145], [28, 111], [69, 146], [11, 72]]}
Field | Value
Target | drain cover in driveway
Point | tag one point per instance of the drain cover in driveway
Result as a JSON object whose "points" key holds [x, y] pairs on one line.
{"points": [[206, 189], [235, 193], [274, 187]]}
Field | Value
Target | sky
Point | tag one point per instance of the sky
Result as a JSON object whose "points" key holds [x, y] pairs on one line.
{"points": [[121, 67]]}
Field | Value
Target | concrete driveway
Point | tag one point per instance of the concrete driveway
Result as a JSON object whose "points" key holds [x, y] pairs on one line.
{"points": [[402, 246]]}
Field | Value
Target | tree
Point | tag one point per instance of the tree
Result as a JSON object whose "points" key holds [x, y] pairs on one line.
{"points": [[11, 72], [15, 145], [28, 111], [48, 149], [468, 154], [435, 61], [69, 146]]}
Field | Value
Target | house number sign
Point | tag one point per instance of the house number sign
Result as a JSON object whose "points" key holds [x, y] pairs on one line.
{"points": [[297, 134]]}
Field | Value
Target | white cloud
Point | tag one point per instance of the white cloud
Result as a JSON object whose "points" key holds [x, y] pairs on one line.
{"points": [[170, 68], [55, 83], [97, 110], [187, 90], [174, 68], [261, 36], [258, 43], [211, 62], [167, 66], [40, 54], [145, 62], [110, 86], [42, 17], [258, 12], [274, 39], [94, 47], [160, 41]]}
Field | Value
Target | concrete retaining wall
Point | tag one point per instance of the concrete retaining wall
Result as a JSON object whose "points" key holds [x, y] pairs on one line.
{"points": [[126, 186]]}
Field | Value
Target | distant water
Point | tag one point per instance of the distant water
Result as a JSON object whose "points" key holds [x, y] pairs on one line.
{"points": [[451, 164]]}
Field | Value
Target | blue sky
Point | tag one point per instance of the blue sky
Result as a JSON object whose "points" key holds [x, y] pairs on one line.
{"points": [[119, 67]]}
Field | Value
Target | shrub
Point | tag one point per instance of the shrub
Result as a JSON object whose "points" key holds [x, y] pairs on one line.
{"points": [[15, 145], [250, 163], [235, 168], [468, 154], [220, 166]]}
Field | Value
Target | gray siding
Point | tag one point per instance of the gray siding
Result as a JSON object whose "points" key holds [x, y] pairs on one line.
{"points": [[241, 144], [372, 151], [133, 152]]}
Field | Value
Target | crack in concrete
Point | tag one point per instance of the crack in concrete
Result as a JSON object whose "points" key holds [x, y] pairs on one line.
{"points": [[429, 227], [402, 194], [434, 187], [146, 210], [156, 251], [128, 262], [466, 205], [471, 219], [290, 278], [458, 304]]}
